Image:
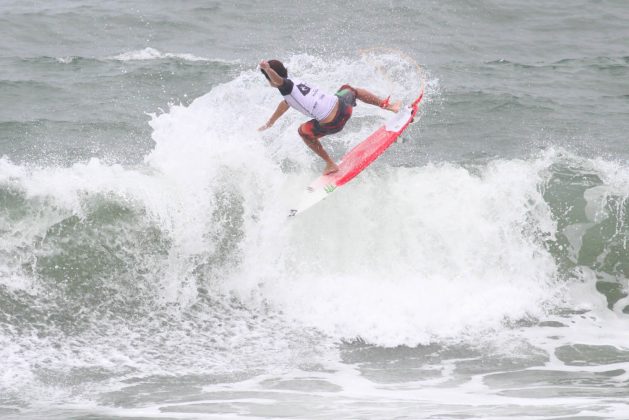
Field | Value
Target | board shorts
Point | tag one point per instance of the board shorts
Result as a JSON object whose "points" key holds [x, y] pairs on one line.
{"points": [[347, 100]]}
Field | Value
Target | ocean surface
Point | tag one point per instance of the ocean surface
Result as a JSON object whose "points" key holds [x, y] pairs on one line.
{"points": [[477, 270]]}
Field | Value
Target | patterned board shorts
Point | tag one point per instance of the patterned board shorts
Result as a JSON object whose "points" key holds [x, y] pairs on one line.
{"points": [[347, 100]]}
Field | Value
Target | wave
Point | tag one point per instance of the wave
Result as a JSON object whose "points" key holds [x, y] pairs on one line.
{"points": [[186, 265], [402, 256], [448, 252], [149, 53], [600, 62], [145, 54], [135, 55]]}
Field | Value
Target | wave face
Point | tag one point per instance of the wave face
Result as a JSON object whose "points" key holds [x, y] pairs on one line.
{"points": [[185, 265]]}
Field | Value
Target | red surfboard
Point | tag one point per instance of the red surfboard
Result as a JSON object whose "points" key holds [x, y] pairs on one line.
{"points": [[359, 157]]}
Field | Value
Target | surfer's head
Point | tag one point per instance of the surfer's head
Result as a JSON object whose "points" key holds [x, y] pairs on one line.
{"points": [[278, 67]]}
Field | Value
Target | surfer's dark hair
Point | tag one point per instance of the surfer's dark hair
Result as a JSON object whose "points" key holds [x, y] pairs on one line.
{"points": [[279, 69]]}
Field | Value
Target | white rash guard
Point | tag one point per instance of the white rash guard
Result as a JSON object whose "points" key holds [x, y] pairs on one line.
{"points": [[308, 98]]}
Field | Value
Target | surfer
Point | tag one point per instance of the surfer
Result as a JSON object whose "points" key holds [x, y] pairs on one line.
{"points": [[329, 112]]}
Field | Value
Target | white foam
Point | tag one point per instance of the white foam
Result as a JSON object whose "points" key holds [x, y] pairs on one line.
{"points": [[149, 53], [415, 255], [66, 60]]}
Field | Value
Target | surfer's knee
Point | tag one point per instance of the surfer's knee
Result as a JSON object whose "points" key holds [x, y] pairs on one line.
{"points": [[306, 132], [349, 87]]}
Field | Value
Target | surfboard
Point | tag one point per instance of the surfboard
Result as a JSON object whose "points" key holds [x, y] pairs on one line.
{"points": [[357, 159]]}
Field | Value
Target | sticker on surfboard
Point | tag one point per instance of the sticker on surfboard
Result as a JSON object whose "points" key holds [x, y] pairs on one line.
{"points": [[361, 156]]}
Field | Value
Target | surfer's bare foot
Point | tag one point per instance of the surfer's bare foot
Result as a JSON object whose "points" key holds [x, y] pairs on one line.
{"points": [[394, 107], [330, 168]]}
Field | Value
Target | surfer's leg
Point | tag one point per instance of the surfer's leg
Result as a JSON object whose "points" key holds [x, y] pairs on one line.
{"points": [[305, 132], [365, 96]]}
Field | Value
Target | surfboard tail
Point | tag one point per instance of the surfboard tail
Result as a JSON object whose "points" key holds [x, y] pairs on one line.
{"points": [[317, 191]]}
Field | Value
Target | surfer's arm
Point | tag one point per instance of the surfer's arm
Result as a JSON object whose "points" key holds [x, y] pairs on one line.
{"points": [[275, 78], [279, 111]]}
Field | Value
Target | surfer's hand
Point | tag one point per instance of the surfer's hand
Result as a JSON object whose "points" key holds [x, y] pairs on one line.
{"points": [[264, 127], [264, 65]]}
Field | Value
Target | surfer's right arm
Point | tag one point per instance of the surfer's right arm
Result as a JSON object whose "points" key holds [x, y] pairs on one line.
{"points": [[275, 79], [279, 111]]}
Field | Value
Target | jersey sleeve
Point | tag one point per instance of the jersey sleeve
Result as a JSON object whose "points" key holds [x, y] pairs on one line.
{"points": [[287, 87]]}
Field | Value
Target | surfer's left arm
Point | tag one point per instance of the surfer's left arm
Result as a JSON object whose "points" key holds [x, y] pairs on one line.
{"points": [[279, 111]]}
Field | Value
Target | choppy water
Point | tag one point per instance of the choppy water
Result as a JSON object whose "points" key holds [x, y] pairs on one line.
{"points": [[478, 270]]}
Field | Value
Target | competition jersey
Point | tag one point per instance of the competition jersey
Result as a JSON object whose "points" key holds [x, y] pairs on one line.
{"points": [[308, 98]]}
